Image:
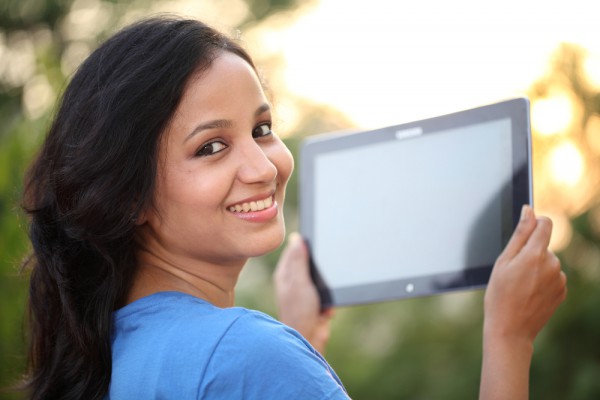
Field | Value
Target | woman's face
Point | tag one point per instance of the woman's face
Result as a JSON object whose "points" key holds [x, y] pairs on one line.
{"points": [[222, 173]]}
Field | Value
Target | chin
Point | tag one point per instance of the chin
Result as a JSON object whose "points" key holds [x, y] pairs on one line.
{"points": [[268, 245]]}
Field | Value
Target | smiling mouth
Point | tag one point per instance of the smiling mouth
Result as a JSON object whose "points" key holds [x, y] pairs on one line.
{"points": [[252, 205]]}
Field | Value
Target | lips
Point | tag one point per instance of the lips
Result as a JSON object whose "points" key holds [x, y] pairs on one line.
{"points": [[254, 205]]}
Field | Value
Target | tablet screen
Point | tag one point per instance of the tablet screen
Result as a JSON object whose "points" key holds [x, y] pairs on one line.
{"points": [[392, 215]]}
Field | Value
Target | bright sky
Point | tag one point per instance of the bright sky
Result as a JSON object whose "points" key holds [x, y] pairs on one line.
{"points": [[386, 62]]}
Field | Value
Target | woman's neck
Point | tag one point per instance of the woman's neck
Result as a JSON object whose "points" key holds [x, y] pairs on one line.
{"points": [[212, 282]]}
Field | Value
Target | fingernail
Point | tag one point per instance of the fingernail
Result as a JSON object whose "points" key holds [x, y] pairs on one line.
{"points": [[295, 240], [294, 237], [525, 213]]}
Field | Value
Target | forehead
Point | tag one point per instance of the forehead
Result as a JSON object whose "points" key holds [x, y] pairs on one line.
{"points": [[228, 80]]}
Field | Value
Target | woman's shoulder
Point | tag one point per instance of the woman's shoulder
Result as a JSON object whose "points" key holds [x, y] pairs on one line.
{"points": [[174, 307], [227, 353], [174, 317], [260, 357]]}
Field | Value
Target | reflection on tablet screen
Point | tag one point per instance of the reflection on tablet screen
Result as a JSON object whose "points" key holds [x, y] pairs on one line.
{"points": [[424, 196]]}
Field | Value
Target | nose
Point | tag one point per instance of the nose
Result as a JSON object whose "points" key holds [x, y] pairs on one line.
{"points": [[255, 166]]}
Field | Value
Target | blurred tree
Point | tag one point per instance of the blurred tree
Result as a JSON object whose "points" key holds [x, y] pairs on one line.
{"points": [[26, 14], [567, 362], [261, 9]]}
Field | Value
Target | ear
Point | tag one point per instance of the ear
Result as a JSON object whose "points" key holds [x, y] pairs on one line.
{"points": [[139, 216], [140, 220]]}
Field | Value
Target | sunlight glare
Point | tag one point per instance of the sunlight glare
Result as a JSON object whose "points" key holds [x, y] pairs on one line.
{"points": [[566, 163], [562, 231], [552, 115], [18, 64], [38, 96], [592, 133], [86, 19], [591, 69]]}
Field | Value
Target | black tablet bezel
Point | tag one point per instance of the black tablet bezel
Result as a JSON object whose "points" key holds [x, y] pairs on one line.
{"points": [[472, 277]]}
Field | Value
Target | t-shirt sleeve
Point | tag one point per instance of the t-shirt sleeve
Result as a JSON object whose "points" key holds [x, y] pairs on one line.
{"points": [[259, 358]]}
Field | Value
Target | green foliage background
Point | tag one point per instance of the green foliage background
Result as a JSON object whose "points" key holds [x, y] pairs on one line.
{"points": [[415, 349]]}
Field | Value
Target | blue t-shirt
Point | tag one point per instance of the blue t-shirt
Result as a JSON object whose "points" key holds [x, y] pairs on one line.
{"points": [[172, 345]]}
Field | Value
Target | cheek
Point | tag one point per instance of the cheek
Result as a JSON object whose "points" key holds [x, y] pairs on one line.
{"points": [[283, 161], [186, 189]]}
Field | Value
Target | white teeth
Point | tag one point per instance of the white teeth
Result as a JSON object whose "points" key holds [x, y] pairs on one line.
{"points": [[253, 205]]}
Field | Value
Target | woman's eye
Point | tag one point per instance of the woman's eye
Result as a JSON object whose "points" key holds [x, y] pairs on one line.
{"points": [[211, 148], [262, 130]]}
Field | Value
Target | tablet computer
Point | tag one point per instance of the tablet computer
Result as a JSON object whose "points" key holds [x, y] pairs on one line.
{"points": [[414, 209]]}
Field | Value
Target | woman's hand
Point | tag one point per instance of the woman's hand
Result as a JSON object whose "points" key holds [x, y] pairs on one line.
{"points": [[527, 283], [526, 287], [297, 297]]}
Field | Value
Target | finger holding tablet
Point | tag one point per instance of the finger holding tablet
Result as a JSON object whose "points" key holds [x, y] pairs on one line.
{"points": [[296, 296], [527, 283], [526, 287]]}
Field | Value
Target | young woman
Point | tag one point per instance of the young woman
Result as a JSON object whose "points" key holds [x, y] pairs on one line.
{"points": [[158, 179]]}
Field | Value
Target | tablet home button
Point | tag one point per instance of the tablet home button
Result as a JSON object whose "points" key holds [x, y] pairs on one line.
{"points": [[410, 287]]}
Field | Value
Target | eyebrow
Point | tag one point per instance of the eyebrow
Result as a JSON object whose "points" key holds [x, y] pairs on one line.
{"points": [[223, 123]]}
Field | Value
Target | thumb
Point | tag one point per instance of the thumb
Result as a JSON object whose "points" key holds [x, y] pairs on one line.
{"points": [[293, 258], [523, 231], [295, 247]]}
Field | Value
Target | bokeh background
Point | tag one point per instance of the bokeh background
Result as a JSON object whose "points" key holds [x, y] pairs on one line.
{"points": [[335, 65]]}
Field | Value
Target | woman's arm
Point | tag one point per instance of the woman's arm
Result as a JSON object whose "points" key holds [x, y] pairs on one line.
{"points": [[526, 287], [297, 298]]}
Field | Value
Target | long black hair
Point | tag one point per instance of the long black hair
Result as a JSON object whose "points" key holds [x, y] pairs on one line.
{"points": [[95, 172]]}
